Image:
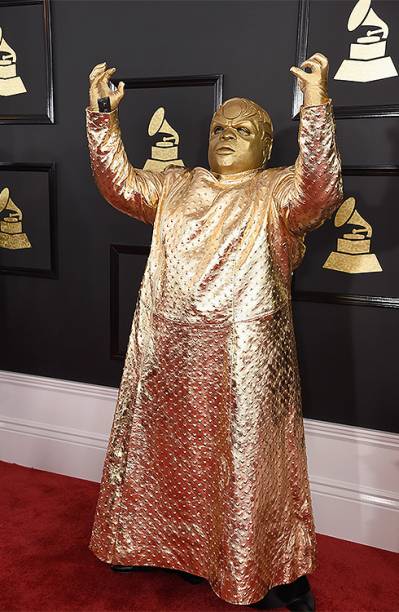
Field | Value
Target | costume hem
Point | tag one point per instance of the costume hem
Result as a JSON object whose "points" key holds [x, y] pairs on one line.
{"points": [[165, 565]]}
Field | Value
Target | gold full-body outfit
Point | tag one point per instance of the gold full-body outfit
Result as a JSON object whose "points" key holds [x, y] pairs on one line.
{"points": [[206, 467]]}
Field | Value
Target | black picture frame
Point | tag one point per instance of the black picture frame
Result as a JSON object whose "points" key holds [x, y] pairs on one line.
{"points": [[116, 251], [189, 102], [36, 116], [352, 299], [340, 111], [49, 168]]}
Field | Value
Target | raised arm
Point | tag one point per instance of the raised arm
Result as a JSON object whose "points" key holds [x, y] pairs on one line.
{"points": [[311, 190], [132, 191]]}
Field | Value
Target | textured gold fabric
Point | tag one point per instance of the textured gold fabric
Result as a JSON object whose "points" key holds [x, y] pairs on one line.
{"points": [[206, 468]]}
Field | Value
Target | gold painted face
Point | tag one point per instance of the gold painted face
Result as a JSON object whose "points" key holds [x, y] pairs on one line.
{"points": [[240, 137]]}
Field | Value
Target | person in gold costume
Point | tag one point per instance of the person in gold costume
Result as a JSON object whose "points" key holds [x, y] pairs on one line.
{"points": [[206, 467]]}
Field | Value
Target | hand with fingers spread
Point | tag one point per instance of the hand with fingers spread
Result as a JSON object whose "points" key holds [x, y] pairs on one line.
{"points": [[314, 84], [99, 87]]}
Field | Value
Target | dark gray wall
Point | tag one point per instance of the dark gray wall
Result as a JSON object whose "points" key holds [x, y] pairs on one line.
{"points": [[60, 327]]}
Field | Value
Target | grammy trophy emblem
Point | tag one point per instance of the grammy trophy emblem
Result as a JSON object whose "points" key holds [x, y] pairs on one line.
{"points": [[367, 60], [165, 152], [11, 234], [10, 83], [353, 250]]}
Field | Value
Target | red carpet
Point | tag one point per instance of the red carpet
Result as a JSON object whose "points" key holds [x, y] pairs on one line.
{"points": [[45, 522]]}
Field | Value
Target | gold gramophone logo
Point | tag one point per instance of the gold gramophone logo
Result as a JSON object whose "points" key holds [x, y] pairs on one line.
{"points": [[10, 83], [166, 151], [11, 234], [353, 250], [367, 60]]}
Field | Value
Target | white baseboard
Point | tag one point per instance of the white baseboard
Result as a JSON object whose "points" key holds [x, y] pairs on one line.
{"points": [[63, 426]]}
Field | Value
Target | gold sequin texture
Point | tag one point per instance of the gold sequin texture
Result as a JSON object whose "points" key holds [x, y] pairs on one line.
{"points": [[206, 467]]}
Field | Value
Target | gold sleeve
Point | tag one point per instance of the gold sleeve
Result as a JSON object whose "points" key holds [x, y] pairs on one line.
{"points": [[311, 190], [132, 191]]}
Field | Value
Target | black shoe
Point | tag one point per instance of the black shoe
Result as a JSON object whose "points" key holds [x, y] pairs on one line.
{"points": [[304, 603], [295, 596], [123, 568]]}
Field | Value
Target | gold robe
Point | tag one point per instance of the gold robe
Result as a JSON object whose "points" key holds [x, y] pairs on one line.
{"points": [[206, 467]]}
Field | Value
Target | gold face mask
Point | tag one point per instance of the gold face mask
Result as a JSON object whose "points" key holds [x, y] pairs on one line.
{"points": [[240, 138]]}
